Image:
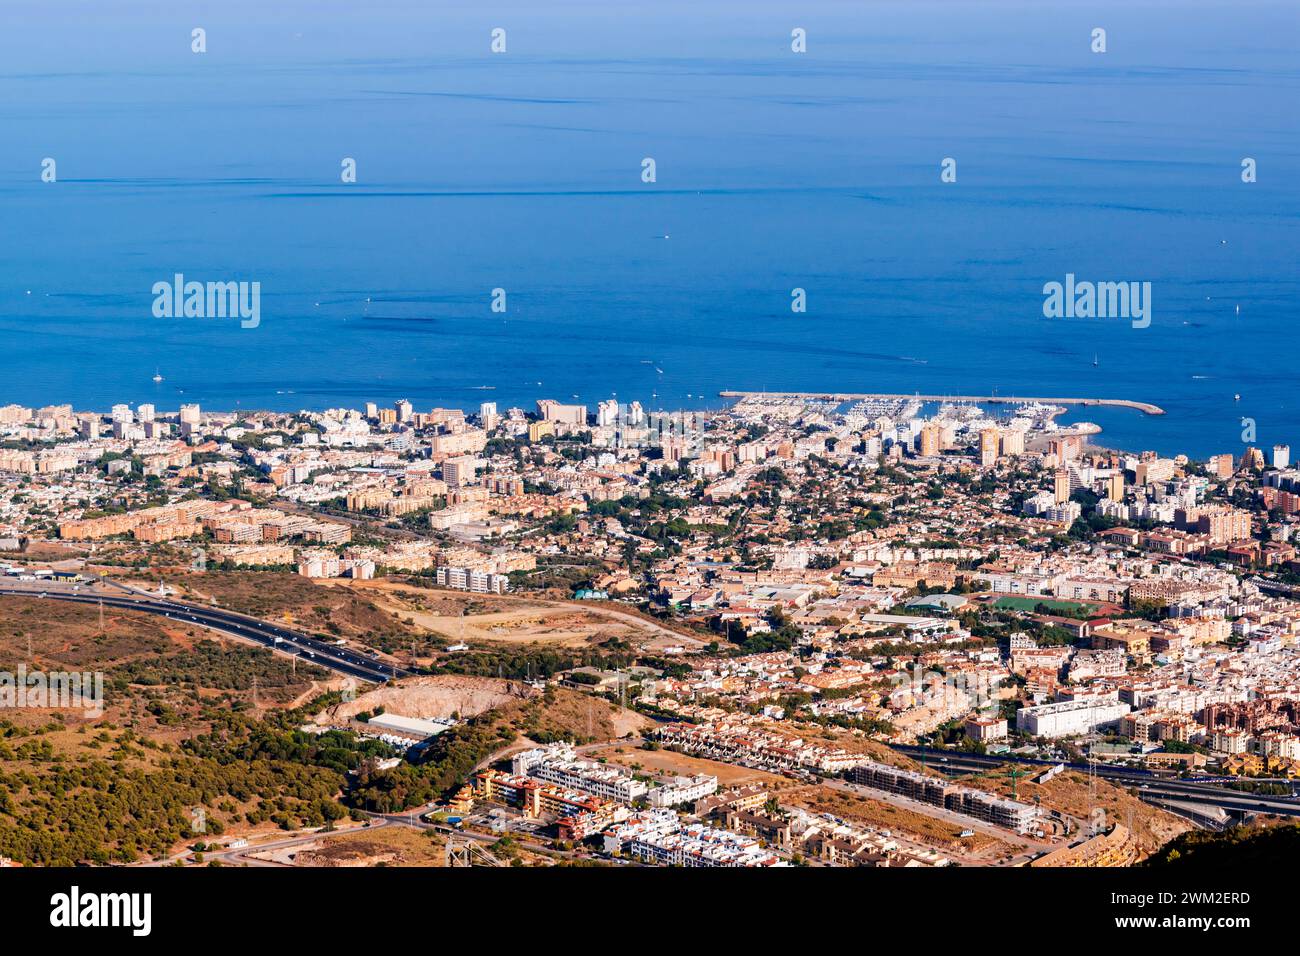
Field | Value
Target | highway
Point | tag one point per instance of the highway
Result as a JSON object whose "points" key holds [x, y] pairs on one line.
{"points": [[342, 660], [1147, 783]]}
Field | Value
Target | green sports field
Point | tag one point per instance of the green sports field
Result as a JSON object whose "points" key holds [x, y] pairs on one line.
{"points": [[1031, 603]]}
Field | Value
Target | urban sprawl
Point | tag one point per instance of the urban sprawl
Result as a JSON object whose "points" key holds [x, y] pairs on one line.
{"points": [[856, 604]]}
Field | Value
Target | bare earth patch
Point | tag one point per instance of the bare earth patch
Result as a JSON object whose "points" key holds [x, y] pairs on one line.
{"points": [[673, 763], [434, 697], [386, 846]]}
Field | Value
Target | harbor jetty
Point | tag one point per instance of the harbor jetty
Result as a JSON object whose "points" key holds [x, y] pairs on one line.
{"points": [[1145, 408]]}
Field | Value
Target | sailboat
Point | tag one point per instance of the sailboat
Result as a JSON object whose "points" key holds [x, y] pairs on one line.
{"points": [[157, 376], [1094, 359]]}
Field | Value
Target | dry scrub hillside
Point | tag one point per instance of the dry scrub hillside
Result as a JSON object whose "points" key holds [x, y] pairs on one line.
{"points": [[158, 673], [299, 603], [1070, 793], [553, 714]]}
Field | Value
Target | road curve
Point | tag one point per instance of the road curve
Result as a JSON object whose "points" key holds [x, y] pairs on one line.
{"points": [[294, 643]]}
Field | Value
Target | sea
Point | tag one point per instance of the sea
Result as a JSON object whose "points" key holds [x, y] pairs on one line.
{"points": [[518, 176]]}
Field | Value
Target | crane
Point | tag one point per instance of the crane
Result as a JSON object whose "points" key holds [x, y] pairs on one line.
{"points": [[1015, 773]]}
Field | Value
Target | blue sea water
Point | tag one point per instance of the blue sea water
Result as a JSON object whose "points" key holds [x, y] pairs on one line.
{"points": [[775, 170]]}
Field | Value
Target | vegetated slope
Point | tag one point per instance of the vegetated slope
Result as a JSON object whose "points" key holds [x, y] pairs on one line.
{"points": [[1072, 793], [1238, 847], [296, 602]]}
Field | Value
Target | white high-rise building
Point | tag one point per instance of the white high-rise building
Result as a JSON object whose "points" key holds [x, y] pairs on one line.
{"points": [[607, 412], [1281, 456]]}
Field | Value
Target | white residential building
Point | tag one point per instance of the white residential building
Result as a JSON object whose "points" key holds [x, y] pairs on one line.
{"points": [[1072, 717]]}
